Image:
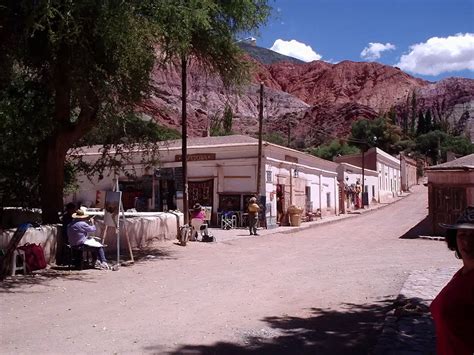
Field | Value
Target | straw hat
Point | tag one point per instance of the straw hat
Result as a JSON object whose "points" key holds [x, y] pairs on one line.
{"points": [[253, 199], [197, 206], [80, 214]]}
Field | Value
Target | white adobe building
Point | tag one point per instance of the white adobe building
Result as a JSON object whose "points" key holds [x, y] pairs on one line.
{"points": [[348, 175], [222, 174], [387, 167]]}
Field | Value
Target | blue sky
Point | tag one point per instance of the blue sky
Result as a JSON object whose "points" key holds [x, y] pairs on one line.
{"points": [[431, 39]]}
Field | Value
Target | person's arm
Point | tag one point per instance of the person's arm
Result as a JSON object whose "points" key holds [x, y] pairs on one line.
{"points": [[88, 228]]}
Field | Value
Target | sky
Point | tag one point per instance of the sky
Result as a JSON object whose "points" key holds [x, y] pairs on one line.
{"points": [[430, 39]]}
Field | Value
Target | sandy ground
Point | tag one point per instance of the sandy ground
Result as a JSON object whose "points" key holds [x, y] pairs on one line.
{"points": [[324, 290]]}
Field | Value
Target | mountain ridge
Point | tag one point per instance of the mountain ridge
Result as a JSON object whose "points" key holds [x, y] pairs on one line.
{"points": [[318, 93]]}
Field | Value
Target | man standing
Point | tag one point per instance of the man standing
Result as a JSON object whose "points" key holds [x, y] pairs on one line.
{"points": [[253, 209]]}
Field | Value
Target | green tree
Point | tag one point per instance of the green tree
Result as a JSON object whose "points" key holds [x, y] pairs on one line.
{"points": [[332, 149], [23, 106], [421, 126], [227, 120], [93, 60], [436, 144], [275, 138], [221, 125], [413, 113], [376, 133], [428, 122]]}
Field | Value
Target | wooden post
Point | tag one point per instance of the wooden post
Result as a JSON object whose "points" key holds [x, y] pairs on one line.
{"points": [[260, 130], [184, 138]]}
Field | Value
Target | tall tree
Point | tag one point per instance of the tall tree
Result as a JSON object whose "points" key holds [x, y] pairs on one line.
{"points": [[421, 126], [205, 31], [413, 113], [93, 60], [227, 120], [428, 121]]}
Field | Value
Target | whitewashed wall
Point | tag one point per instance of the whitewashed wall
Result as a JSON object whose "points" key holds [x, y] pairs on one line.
{"points": [[349, 174]]}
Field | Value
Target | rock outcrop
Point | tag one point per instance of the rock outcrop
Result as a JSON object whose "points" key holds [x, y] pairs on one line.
{"points": [[317, 97]]}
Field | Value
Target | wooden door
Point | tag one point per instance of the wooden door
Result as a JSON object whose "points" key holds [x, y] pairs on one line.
{"points": [[447, 205]]}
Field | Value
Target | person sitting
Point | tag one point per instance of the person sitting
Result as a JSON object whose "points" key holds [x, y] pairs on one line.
{"points": [[198, 212], [77, 232], [199, 225]]}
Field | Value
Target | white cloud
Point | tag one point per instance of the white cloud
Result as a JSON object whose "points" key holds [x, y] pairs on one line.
{"points": [[295, 49], [439, 55], [374, 50]]}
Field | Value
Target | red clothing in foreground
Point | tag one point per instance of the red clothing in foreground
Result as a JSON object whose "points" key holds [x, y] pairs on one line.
{"points": [[453, 313]]}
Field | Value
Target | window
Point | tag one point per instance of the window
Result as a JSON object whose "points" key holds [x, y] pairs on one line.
{"points": [[328, 199], [373, 191], [269, 176]]}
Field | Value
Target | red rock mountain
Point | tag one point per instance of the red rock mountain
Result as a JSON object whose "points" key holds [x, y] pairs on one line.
{"points": [[315, 99]]}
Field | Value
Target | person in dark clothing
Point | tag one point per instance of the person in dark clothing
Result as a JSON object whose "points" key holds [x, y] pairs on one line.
{"points": [[453, 307], [66, 218]]}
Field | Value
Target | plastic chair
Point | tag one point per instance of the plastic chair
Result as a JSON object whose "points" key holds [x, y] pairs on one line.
{"points": [[18, 253], [229, 222]]}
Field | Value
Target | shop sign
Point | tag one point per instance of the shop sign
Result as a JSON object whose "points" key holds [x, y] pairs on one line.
{"points": [[197, 157]]}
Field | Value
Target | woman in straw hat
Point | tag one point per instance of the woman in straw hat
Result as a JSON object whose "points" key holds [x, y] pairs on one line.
{"points": [[78, 234], [453, 308]]}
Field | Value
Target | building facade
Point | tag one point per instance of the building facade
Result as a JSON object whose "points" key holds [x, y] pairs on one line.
{"points": [[386, 166], [222, 174], [348, 175], [450, 191], [409, 172]]}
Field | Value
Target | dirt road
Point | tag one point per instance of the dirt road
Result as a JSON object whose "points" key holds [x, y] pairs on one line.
{"points": [[323, 290]]}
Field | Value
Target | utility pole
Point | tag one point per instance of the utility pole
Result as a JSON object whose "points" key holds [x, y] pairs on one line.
{"points": [[363, 176], [260, 130], [184, 138]]}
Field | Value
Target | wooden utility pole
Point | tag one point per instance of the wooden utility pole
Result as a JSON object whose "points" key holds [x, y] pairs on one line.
{"points": [[184, 134], [260, 130], [363, 176]]}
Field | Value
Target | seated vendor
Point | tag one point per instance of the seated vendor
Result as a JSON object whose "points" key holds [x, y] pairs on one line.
{"points": [[198, 212], [77, 232]]}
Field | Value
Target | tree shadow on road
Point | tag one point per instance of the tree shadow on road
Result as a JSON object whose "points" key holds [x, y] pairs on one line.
{"points": [[22, 283], [352, 330], [152, 253]]}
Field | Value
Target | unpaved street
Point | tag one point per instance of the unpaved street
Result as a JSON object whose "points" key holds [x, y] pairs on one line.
{"points": [[324, 290]]}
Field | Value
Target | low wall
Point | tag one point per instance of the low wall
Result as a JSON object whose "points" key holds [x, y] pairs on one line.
{"points": [[141, 232], [45, 235]]}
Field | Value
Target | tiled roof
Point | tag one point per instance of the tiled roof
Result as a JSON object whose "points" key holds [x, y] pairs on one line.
{"points": [[465, 162]]}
